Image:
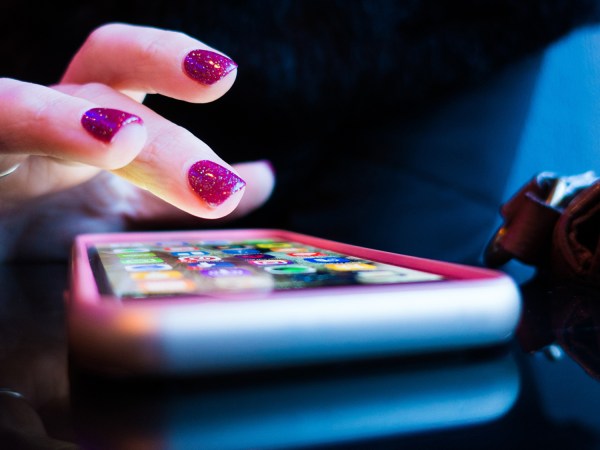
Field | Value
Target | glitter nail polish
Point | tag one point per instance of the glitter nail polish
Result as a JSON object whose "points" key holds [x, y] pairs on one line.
{"points": [[104, 123], [213, 183], [207, 67]]}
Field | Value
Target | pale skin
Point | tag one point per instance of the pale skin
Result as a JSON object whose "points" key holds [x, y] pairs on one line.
{"points": [[68, 181]]}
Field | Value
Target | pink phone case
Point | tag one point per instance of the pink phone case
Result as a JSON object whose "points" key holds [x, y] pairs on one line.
{"points": [[471, 307]]}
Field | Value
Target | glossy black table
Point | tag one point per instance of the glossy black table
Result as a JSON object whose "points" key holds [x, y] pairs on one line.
{"points": [[541, 390]]}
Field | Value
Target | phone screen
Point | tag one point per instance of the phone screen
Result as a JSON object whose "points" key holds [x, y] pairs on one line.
{"points": [[136, 270]]}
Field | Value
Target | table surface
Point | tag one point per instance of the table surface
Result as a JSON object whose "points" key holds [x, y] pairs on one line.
{"points": [[539, 391]]}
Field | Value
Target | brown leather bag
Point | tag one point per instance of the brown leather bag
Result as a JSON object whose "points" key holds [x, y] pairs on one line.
{"points": [[552, 223]]}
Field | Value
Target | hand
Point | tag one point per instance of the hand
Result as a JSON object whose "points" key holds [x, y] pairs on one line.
{"points": [[92, 158]]}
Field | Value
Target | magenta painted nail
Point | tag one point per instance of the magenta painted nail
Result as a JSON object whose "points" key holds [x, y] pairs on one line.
{"points": [[104, 123], [213, 183], [207, 67]]}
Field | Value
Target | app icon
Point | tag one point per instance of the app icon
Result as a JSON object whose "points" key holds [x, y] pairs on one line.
{"points": [[258, 241], [165, 275], [274, 245], [194, 253], [230, 245], [141, 261], [148, 267], [288, 250], [131, 250], [136, 255], [206, 265], [241, 251], [170, 244], [166, 286], [269, 262], [220, 272], [185, 248], [350, 267], [291, 269], [306, 254], [256, 256], [194, 259], [327, 260]]}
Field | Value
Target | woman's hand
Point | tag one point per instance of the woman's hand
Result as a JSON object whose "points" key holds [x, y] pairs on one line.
{"points": [[62, 137]]}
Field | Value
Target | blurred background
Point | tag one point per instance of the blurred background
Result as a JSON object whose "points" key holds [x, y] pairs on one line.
{"points": [[398, 125]]}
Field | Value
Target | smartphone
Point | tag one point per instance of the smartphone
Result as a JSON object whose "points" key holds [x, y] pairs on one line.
{"points": [[199, 302]]}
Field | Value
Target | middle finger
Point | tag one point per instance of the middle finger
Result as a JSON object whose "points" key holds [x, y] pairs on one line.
{"points": [[174, 164]]}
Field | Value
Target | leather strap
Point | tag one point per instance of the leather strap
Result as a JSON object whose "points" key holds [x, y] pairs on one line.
{"points": [[552, 223]]}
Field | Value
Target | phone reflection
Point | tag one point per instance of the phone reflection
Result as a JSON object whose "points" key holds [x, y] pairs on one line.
{"points": [[562, 314], [308, 407]]}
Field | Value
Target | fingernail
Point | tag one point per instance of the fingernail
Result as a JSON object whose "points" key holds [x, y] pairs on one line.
{"points": [[207, 67], [213, 183], [104, 123]]}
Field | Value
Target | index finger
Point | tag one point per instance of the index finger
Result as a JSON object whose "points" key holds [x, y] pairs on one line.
{"points": [[151, 60]]}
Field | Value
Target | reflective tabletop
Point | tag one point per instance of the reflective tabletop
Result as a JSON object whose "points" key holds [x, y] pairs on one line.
{"points": [[542, 389]]}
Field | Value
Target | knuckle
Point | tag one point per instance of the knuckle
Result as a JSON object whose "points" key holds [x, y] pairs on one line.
{"points": [[14, 91], [153, 49], [7, 84], [173, 138], [102, 33], [100, 39], [150, 51], [90, 90], [25, 103], [93, 92]]}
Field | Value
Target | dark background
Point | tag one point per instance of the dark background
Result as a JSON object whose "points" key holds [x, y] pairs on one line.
{"points": [[390, 124]]}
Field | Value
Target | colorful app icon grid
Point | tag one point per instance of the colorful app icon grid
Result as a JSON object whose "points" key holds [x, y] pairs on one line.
{"points": [[193, 266]]}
